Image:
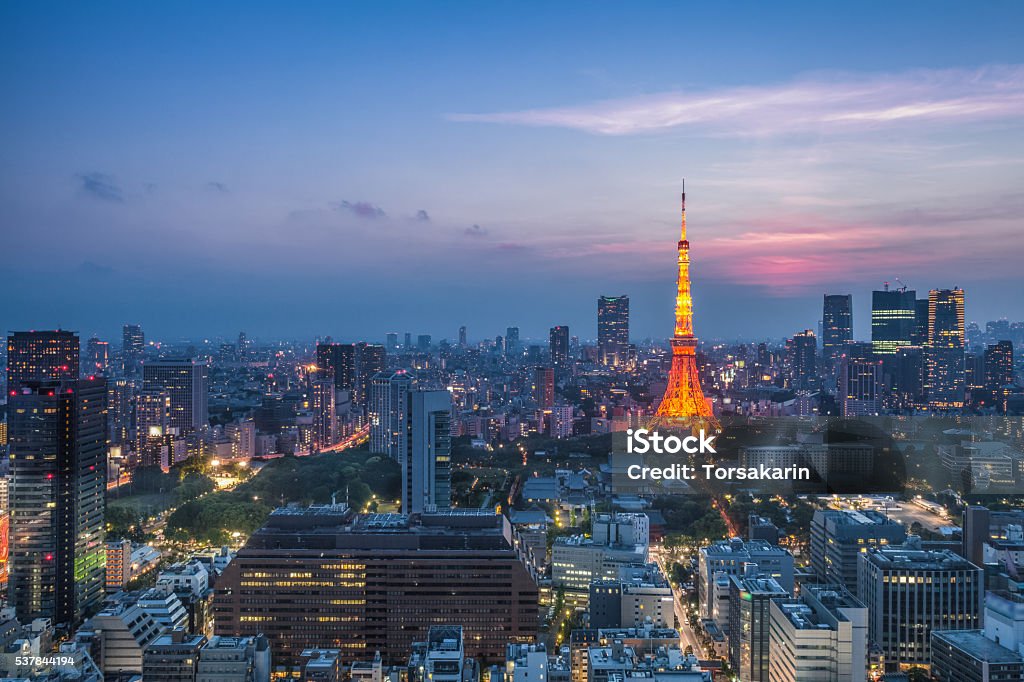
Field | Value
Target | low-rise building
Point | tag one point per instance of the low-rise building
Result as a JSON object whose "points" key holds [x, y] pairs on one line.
{"points": [[172, 657], [234, 659]]}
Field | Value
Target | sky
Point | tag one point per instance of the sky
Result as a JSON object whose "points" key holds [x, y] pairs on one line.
{"points": [[349, 169]]}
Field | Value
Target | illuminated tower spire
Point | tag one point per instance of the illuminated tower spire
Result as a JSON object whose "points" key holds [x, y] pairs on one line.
{"points": [[683, 395]]}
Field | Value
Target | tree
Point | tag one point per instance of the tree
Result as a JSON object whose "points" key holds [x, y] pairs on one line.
{"points": [[917, 674], [123, 522]]}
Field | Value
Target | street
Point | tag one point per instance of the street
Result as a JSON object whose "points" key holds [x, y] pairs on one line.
{"points": [[687, 636]]}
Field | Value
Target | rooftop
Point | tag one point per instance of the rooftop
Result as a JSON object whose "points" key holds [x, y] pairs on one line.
{"points": [[975, 644], [911, 556], [739, 547]]}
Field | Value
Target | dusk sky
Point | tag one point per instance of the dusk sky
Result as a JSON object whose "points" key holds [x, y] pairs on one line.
{"points": [[301, 169]]}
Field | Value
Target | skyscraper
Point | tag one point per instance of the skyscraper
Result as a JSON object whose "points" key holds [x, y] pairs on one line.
{"points": [[683, 395], [558, 341], [860, 387], [945, 379], [427, 469], [750, 599], [893, 319], [133, 347], [371, 359], [920, 335], [407, 345], [462, 336], [389, 413], [187, 385], [836, 325], [120, 401], [391, 342], [512, 346], [57, 443], [613, 330], [152, 426], [998, 365], [338, 360], [544, 387], [325, 421], [805, 346], [41, 356], [423, 342], [96, 358]]}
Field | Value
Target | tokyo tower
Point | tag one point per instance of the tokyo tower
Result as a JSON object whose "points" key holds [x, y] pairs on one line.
{"points": [[683, 396]]}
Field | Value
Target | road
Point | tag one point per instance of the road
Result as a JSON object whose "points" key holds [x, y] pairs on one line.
{"points": [[124, 479], [687, 637], [356, 438]]}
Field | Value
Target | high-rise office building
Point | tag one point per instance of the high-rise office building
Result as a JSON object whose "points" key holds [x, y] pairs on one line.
{"points": [[325, 421], [908, 370], [839, 536], [819, 637], [41, 356], [186, 382], [389, 413], [407, 342], [544, 387], [836, 325], [613, 330], [998, 365], [860, 387], [945, 379], [974, 371], [377, 583], [893, 319], [750, 599], [371, 359], [133, 348], [120, 402], [726, 558], [391, 342], [512, 346], [804, 371], [558, 342], [462, 337], [427, 468], [909, 592], [57, 443], [96, 358], [152, 426], [338, 360], [423, 342], [920, 335]]}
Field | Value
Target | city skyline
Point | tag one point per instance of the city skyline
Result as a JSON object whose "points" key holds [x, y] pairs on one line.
{"points": [[207, 175]]}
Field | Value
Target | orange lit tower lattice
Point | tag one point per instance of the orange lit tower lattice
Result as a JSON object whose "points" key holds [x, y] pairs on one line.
{"points": [[683, 395]]}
